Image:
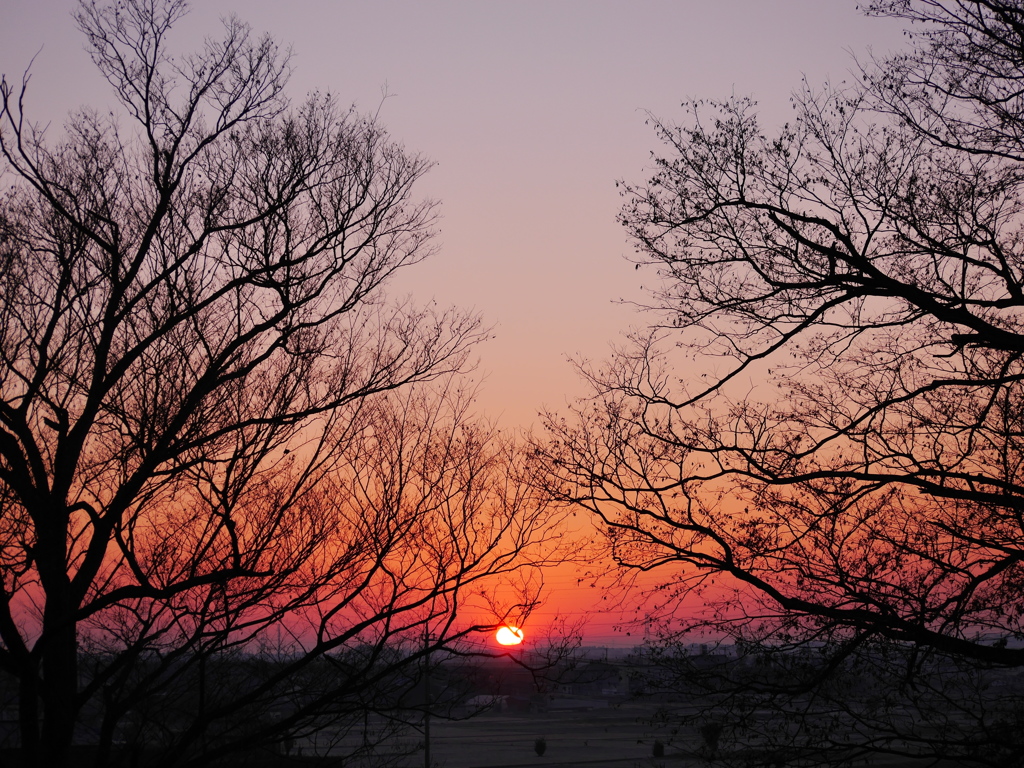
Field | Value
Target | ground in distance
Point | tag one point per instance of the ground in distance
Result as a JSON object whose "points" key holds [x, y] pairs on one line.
{"points": [[620, 736], [616, 737]]}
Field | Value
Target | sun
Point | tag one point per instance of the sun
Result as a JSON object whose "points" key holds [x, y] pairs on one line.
{"points": [[509, 635]]}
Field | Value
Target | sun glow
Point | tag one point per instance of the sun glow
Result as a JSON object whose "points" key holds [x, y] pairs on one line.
{"points": [[509, 635]]}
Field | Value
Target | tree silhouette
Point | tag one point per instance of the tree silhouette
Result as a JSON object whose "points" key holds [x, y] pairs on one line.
{"points": [[232, 476], [822, 435]]}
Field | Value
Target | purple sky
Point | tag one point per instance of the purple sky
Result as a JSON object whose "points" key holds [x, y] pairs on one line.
{"points": [[531, 109]]}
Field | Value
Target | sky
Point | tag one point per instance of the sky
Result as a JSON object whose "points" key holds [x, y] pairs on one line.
{"points": [[531, 110]]}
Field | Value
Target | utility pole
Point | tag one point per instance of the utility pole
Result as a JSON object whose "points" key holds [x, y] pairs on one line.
{"points": [[426, 699]]}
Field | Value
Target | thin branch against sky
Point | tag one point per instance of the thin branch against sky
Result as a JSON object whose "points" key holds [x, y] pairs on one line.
{"points": [[531, 111]]}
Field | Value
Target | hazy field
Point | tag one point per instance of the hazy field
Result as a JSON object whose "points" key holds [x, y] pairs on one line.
{"points": [[616, 737], [605, 736]]}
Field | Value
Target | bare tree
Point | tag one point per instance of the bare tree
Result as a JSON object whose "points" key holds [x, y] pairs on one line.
{"points": [[424, 525], [201, 442], [822, 437]]}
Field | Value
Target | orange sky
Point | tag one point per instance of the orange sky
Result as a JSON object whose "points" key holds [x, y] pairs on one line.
{"points": [[531, 109]]}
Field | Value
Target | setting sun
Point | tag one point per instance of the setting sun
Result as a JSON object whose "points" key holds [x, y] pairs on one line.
{"points": [[509, 635]]}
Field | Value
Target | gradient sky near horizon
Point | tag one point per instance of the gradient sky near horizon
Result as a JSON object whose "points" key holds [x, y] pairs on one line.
{"points": [[531, 110]]}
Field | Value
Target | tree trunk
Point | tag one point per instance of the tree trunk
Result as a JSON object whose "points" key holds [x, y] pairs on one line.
{"points": [[59, 690], [58, 654], [28, 714]]}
